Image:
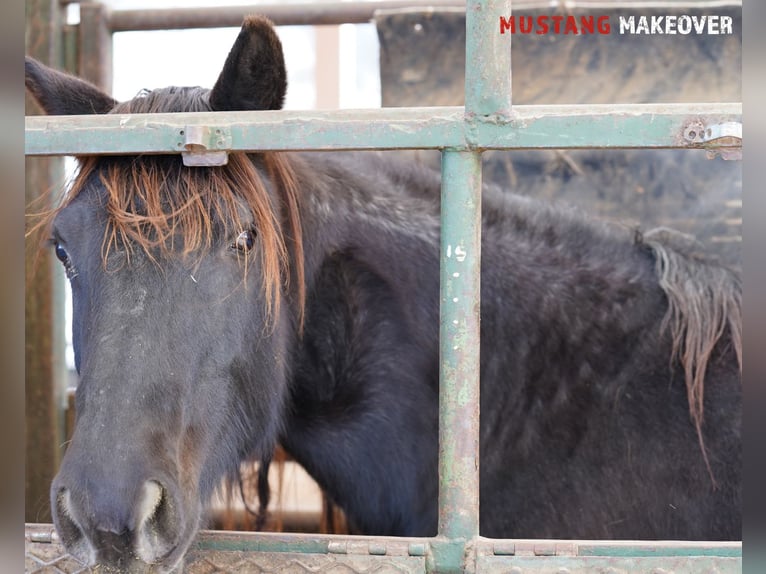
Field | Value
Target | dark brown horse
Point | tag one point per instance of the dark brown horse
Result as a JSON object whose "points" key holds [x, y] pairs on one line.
{"points": [[294, 298]]}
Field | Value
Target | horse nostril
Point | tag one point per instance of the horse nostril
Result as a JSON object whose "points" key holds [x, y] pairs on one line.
{"points": [[64, 513], [157, 522], [69, 529], [152, 496]]}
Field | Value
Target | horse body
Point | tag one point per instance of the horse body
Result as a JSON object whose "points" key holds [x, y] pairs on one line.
{"points": [[311, 319], [580, 436]]}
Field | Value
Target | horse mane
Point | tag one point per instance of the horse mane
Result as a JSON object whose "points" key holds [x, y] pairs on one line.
{"points": [[704, 301], [153, 201]]}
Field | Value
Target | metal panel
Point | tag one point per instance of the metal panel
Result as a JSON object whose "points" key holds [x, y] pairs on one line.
{"points": [[423, 56]]}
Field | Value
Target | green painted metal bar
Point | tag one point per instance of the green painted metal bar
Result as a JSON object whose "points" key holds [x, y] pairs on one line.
{"points": [[659, 548], [528, 127], [487, 96], [488, 57], [238, 551], [624, 565], [459, 357], [303, 543]]}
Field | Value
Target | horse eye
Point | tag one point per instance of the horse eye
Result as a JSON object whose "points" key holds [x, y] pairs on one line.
{"points": [[61, 253], [245, 241]]}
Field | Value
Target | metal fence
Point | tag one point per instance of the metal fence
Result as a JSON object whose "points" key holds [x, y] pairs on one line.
{"points": [[487, 121]]}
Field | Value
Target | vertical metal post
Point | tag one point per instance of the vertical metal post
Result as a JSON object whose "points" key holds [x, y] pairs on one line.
{"points": [[95, 53], [487, 95], [459, 358], [487, 59], [44, 313], [459, 335]]}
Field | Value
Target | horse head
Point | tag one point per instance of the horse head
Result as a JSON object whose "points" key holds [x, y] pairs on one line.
{"points": [[177, 274]]}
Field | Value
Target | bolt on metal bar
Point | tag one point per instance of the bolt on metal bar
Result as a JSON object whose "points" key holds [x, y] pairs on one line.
{"points": [[459, 345], [488, 59]]}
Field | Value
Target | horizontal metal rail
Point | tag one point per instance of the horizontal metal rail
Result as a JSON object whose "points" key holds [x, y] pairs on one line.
{"points": [[230, 551], [527, 127], [311, 13], [333, 13], [525, 4]]}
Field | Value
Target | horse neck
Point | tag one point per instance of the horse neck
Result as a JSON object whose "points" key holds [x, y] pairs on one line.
{"points": [[365, 365], [360, 204]]}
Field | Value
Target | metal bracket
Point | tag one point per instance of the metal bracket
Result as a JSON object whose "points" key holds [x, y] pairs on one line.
{"points": [[204, 145], [724, 139]]}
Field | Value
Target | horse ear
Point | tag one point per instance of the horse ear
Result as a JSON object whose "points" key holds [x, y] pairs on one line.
{"points": [[61, 94], [254, 75]]}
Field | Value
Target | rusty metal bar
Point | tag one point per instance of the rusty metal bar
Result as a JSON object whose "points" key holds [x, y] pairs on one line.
{"points": [[71, 40], [324, 13], [530, 4], [95, 45], [44, 314]]}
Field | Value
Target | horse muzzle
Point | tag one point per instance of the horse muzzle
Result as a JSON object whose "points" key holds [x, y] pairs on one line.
{"points": [[119, 527]]}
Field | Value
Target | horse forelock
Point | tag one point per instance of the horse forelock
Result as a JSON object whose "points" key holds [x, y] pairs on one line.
{"points": [[166, 209]]}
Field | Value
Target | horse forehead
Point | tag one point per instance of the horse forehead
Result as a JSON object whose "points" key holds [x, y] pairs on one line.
{"points": [[82, 216]]}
